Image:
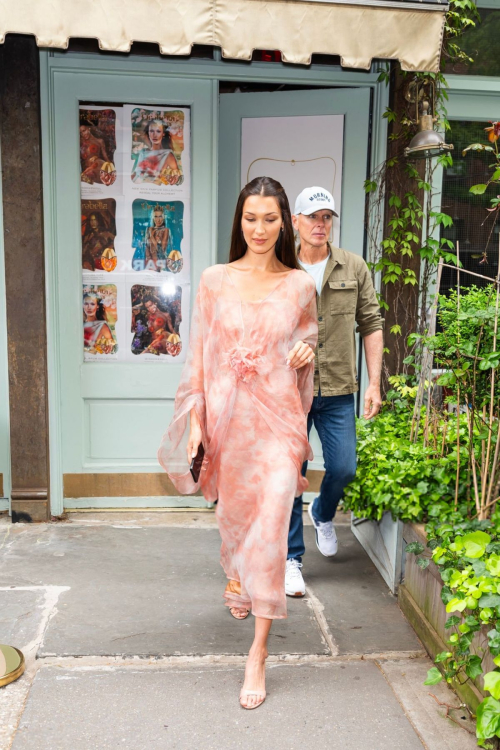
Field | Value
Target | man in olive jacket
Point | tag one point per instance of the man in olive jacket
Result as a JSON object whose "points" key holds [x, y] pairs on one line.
{"points": [[347, 304]]}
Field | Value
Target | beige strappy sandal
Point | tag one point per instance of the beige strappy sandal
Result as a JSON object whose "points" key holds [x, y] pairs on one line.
{"points": [[234, 587], [247, 693]]}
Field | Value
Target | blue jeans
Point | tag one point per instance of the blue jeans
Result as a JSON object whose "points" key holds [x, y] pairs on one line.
{"points": [[334, 419]]}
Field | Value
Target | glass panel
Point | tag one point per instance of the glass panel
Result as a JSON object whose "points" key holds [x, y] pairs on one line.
{"points": [[135, 231], [473, 227], [482, 43]]}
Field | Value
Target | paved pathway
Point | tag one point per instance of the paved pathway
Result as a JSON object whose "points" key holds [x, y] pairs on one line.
{"points": [[129, 645]]}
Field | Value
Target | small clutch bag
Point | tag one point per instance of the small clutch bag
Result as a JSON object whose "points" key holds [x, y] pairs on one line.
{"points": [[196, 463]]}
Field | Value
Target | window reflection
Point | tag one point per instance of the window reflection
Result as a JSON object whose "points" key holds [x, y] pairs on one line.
{"points": [[473, 226], [482, 43]]}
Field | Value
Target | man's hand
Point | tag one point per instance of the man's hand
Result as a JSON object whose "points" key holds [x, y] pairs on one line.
{"points": [[373, 401], [374, 347]]}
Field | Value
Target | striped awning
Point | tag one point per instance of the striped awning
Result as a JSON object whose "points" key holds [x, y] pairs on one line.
{"points": [[356, 31]]}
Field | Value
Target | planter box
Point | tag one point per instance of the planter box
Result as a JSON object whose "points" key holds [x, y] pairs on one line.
{"points": [[383, 542], [419, 597]]}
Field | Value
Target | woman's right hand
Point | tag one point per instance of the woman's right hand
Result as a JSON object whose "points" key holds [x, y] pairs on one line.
{"points": [[195, 436]]}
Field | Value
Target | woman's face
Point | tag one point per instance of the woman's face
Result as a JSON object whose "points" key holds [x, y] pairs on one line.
{"points": [[261, 223], [90, 307], [158, 218], [85, 132], [155, 134], [93, 222]]}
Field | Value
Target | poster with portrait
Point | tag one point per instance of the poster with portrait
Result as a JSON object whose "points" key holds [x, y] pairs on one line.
{"points": [[98, 235], [159, 156], [157, 235], [157, 146], [135, 231], [100, 315], [157, 325], [101, 150]]}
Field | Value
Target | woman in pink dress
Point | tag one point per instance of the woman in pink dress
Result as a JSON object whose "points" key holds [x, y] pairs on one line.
{"points": [[244, 394]]}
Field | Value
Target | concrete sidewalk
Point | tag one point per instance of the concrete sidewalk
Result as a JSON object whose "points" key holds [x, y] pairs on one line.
{"points": [[128, 645]]}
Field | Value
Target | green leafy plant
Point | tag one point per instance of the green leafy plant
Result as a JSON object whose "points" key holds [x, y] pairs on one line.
{"points": [[412, 480], [466, 348], [468, 558]]}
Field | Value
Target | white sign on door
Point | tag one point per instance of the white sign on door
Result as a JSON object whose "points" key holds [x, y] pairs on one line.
{"points": [[299, 152]]}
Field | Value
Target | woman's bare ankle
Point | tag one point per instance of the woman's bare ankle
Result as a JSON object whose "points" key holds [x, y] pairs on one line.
{"points": [[258, 651]]}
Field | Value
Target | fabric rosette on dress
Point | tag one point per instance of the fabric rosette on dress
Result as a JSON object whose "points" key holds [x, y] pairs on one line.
{"points": [[246, 364]]}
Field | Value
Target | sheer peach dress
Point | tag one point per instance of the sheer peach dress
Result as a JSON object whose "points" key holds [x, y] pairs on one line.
{"points": [[252, 409]]}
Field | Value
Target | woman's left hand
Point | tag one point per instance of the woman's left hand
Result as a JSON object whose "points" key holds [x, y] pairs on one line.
{"points": [[300, 355]]}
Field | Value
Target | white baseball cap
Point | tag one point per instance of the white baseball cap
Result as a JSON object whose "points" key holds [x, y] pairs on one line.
{"points": [[313, 199]]}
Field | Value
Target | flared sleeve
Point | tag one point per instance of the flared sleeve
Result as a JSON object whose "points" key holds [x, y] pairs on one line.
{"points": [[190, 395], [306, 331]]}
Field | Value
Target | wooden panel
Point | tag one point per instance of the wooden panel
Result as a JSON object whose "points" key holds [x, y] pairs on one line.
{"points": [[24, 267], [119, 485], [135, 485], [315, 477], [424, 587]]}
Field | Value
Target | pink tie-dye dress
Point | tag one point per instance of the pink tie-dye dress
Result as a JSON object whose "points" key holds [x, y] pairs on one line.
{"points": [[252, 410]]}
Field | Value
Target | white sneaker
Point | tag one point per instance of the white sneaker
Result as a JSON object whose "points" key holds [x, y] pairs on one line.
{"points": [[326, 537], [294, 583]]}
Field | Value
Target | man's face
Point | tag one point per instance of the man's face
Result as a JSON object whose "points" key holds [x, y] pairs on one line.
{"points": [[314, 228]]}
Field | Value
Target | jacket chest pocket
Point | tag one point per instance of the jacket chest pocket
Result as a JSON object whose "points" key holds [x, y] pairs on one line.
{"points": [[343, 297]]}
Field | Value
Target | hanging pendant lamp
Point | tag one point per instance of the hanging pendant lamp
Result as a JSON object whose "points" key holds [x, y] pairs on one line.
{"points": [[426, 143]]}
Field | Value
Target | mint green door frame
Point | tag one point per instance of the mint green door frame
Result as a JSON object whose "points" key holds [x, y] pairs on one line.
{"points": [[473, 98], [354, 105], [66, 79]]}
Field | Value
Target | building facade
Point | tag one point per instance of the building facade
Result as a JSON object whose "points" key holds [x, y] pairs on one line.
{"points": [[105, 235]]}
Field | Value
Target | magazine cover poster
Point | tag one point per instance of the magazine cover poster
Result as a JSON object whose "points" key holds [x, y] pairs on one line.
{"points": [[157, 235], [101, 153], [157, 322], [99, 234], [100, 315], [157, 146]]}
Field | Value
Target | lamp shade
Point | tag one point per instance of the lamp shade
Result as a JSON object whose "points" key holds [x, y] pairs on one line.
{"points": [[426, 144]]}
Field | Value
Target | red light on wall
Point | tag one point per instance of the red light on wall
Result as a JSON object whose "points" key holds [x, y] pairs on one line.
{"points": [[270, 55]]}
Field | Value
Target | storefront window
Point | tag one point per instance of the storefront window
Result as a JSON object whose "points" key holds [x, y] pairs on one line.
{"points": [[474, 228], [135, 233], [482, 44]]}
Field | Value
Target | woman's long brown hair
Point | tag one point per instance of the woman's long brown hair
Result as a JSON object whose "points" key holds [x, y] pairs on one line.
{"points": [[285, 246]]}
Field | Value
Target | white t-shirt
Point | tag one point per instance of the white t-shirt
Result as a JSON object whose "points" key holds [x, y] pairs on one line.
{"points": [[316, 270]]}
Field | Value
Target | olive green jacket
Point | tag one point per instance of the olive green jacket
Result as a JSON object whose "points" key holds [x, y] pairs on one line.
{"points": [[347, 298]]}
